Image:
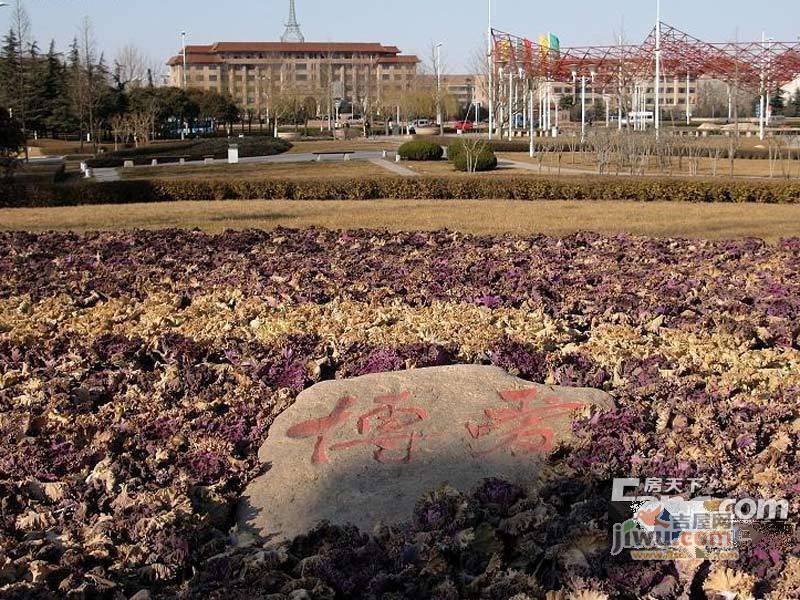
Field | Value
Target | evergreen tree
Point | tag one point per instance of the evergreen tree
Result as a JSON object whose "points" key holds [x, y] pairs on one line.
{"points": [[12, 142], [76, 86], [59, 116], [34, 79], [10, 67], [794, 104], [777, 102]]}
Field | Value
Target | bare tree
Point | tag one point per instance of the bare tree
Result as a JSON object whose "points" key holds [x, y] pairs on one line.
{"points": [[472, 149], [437, 69], [120, 129], [132, 65], [88, 57], [141, 124]]}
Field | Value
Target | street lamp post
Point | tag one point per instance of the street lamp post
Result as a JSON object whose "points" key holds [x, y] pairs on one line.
{"points": [[185, 77], [510, 101], [657, 112], [183, 46], [439, 88], [583, 78], [490, 60]]}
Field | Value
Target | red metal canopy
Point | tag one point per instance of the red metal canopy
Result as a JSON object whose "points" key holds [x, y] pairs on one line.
{"points": [[745, 64]]}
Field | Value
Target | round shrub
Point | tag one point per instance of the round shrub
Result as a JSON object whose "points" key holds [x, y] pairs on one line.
{"points": [[484, 160], [421, 150]]}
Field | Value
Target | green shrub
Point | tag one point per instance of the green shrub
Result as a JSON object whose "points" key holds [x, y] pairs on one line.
{"points": [[421, 150], [530, 187], [484, 160]]}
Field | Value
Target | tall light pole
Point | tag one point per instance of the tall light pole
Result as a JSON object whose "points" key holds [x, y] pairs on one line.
{"points": [[183, 46], [583, 78], [185, 78], [762, 109], [439, 88], [490, 60], [657, 112]]}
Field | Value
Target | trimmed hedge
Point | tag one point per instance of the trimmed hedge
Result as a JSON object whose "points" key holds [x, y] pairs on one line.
{"points": [[192, 150], [373, 188], [420, 150]]}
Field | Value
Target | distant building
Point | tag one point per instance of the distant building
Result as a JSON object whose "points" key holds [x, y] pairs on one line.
{"points": [[465, 89], [674, 93], [251, 72], [790, 89]]}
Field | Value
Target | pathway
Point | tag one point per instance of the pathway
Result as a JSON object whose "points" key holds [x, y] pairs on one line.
{"points": [[106, 175], [394, 167]]}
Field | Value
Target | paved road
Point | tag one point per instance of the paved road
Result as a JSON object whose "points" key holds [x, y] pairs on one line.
{"points": [[376, 157]]}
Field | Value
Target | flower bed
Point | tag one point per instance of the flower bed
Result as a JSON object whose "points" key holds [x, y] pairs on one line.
{"points": [[139, 373]]}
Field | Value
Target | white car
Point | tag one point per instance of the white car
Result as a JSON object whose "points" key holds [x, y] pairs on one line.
{"points": [[419, 123]]}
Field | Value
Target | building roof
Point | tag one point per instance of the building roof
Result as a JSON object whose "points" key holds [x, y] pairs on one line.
{"points": [[402, 58], [194, 58], [368, 47], [210, 53]]}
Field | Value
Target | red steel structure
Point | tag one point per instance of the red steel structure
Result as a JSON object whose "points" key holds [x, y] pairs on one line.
{"points": [[751, 65]]}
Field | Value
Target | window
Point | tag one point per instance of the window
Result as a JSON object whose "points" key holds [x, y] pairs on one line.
{"points": [[212, 77], [301, 77], [386, 77]]}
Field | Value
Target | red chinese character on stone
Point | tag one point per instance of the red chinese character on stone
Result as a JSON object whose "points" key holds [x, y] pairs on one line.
{"points": [[521, 428], [321, 427], [389, 428]]}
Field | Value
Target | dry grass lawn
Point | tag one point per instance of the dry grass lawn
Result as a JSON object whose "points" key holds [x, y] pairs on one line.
{"points": [[743, 167], [769, 222], [355, 144], [326, 168], [445, 168]]}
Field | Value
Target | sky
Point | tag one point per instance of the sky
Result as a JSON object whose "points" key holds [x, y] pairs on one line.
{"points": [[412, 25]]}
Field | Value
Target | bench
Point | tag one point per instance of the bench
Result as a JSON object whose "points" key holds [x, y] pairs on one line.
{"points": [[345, 154]]}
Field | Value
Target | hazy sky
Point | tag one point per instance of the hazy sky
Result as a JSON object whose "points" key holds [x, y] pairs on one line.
{"points": [[154, 25]]}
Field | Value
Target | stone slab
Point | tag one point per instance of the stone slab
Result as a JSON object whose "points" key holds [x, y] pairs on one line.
{"points": [[364, 450]]}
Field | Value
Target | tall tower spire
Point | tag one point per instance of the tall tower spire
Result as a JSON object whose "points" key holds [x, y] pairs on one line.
{"points": [[292, 32]]}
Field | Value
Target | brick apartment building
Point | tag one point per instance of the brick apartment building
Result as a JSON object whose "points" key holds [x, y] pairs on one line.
{"points": [[251, 71]]}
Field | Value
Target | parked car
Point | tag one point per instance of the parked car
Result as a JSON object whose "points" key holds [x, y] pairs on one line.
{"points": [[464, 125], [419, 123]]}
